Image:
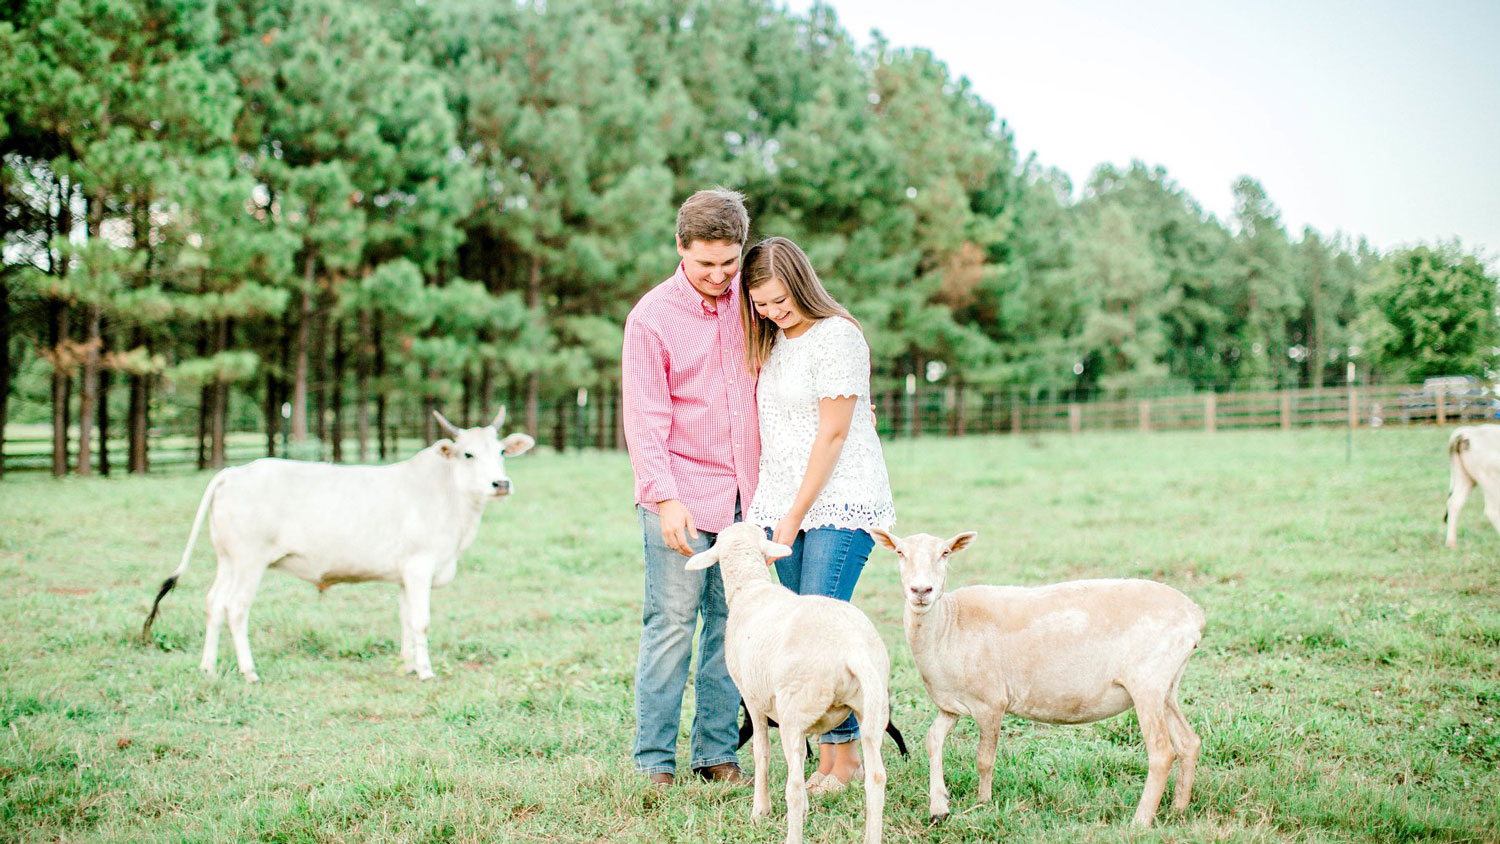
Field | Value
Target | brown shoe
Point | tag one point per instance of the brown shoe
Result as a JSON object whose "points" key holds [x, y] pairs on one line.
{"points": [[662, 779], [723, 772]]}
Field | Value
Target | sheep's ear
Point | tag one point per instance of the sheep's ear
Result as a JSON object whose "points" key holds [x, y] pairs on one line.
{"points": [[516, 444], [703, 560], [774, 550], [960, 542], [886, 539]]}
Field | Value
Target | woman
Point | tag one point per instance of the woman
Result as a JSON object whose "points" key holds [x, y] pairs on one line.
{"points": [[823, 482]]}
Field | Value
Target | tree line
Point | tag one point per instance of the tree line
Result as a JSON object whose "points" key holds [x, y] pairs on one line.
{"points": [[214, 210]]}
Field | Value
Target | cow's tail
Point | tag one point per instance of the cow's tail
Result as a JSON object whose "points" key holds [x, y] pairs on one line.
{"points": [[1459, 442], [187, 553], [1457, 445]]}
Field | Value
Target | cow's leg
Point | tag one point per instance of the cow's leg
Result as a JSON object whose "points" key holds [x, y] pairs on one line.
{"points": [[408, 664], [1492, 505], [418, 587], [1460, 485], [239, 595], [217, 609]]}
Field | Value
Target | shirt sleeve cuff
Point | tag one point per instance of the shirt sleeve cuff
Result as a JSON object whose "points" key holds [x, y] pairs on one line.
{"points": [[654, 491]]}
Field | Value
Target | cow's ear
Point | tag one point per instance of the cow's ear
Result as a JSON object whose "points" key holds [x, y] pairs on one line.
{"points": [[702, 560], [516, 444], [446, 448]]}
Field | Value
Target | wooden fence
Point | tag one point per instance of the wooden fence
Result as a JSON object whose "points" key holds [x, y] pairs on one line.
{"points": [[949, 413], [946, 412]]}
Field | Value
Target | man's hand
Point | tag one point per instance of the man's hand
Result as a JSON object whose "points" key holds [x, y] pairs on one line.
{"points": [[786, 530], [677, 526]]}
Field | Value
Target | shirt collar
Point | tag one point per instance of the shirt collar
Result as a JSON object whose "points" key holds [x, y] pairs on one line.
{"points": [[687, 289]]}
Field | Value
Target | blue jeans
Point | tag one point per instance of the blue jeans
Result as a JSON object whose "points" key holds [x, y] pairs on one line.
{"points": [[675, 599], [827, 561]]}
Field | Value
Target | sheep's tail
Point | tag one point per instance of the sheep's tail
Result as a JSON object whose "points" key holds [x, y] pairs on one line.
{"points": [[187, 553], [874, 686]]}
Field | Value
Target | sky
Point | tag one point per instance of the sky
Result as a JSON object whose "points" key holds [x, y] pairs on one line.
{"points": [[1378, 119]]}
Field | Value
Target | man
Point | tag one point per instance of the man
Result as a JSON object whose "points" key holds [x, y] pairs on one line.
{"points": [[691, 429]]}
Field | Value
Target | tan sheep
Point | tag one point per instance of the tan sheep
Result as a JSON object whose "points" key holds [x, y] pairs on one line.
{"points": [[1068, 653]]}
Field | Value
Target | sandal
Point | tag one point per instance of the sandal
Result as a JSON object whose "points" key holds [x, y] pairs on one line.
{"points": [[831, 784]]}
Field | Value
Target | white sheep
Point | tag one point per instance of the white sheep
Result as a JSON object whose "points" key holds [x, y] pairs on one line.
{"points": [[1069, 653], [806, 661]]}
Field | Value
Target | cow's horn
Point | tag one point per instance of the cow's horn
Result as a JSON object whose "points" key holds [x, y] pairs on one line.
{"points": [[499, 418], [447, 426]]}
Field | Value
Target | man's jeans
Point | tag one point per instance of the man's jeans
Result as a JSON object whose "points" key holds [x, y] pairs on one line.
{"points": [[675, 598], [827, 561]]}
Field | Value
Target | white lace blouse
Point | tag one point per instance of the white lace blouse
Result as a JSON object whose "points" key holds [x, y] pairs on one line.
{"points": [[828, 360]]}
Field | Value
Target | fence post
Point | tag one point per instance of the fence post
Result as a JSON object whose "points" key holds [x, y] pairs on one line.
{"points": [[1210, 413], [1075, 417], [1145, 416], [914, 410], [1353, 408], [1015, 416], [1286, 410], [1442, 409]]}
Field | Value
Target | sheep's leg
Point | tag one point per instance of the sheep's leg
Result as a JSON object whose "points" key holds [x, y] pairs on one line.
{"points": [[872, 733], [1153, 717], [937, 803], [1186, 743], [793, 747], [1461, 485], [760, 747], [989, 741]]}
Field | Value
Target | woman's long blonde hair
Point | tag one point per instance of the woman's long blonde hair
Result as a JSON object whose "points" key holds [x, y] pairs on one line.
{"points": [[777, 257]]}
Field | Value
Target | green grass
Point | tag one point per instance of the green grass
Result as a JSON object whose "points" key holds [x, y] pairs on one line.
{"points": [[1347, 687]]}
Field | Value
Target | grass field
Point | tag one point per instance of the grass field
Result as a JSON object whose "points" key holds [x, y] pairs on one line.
{"points": [[1347, 687]]}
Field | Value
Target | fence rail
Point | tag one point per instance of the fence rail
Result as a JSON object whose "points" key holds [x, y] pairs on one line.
{"points": [[572, 425]]}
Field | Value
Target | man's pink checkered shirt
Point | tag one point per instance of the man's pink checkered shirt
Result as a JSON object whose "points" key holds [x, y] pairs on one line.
{"points": [[690, 420]]}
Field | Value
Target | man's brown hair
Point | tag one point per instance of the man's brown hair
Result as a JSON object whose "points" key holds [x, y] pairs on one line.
{"points": [[715, 214]]}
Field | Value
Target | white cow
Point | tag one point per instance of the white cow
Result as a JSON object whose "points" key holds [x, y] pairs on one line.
{"points": [[1474, 457], [405, 523]]}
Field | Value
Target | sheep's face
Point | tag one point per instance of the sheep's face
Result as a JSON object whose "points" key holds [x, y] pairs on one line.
{"points": [[924, 564]]}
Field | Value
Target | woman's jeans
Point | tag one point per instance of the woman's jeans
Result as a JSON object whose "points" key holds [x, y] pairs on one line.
{"points": [[827, 561], [675, 598]]}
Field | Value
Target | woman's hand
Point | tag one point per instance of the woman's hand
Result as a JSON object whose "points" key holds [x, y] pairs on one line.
{"points": [[786, 530]]}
